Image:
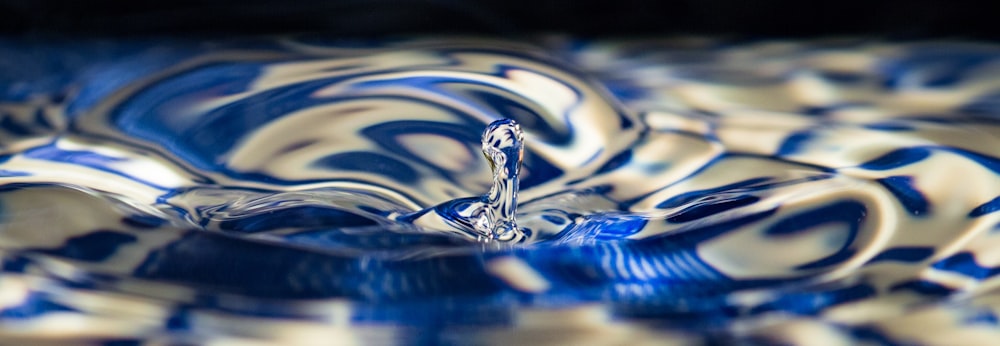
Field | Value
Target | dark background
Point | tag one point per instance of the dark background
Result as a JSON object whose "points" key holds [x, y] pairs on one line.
{"points": [[771, 18]]}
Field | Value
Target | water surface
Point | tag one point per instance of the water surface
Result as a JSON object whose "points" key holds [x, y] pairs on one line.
{"points": [[681, 191]]}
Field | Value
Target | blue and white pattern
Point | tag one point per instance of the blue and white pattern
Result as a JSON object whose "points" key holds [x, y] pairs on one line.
{"points": [[681, 191]]}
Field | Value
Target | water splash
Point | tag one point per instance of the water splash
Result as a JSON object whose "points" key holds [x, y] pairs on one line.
{"points": [[503, 145], [705, 187], [493, 215]]}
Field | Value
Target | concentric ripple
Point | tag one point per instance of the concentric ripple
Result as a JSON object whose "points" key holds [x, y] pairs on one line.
{"points": [[680, 191]]}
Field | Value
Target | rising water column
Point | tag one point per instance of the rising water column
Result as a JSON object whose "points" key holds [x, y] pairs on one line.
{"points": [[503, 145]]}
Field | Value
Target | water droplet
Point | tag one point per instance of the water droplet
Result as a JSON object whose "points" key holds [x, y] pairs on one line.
{"points": [[503, 145]]}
